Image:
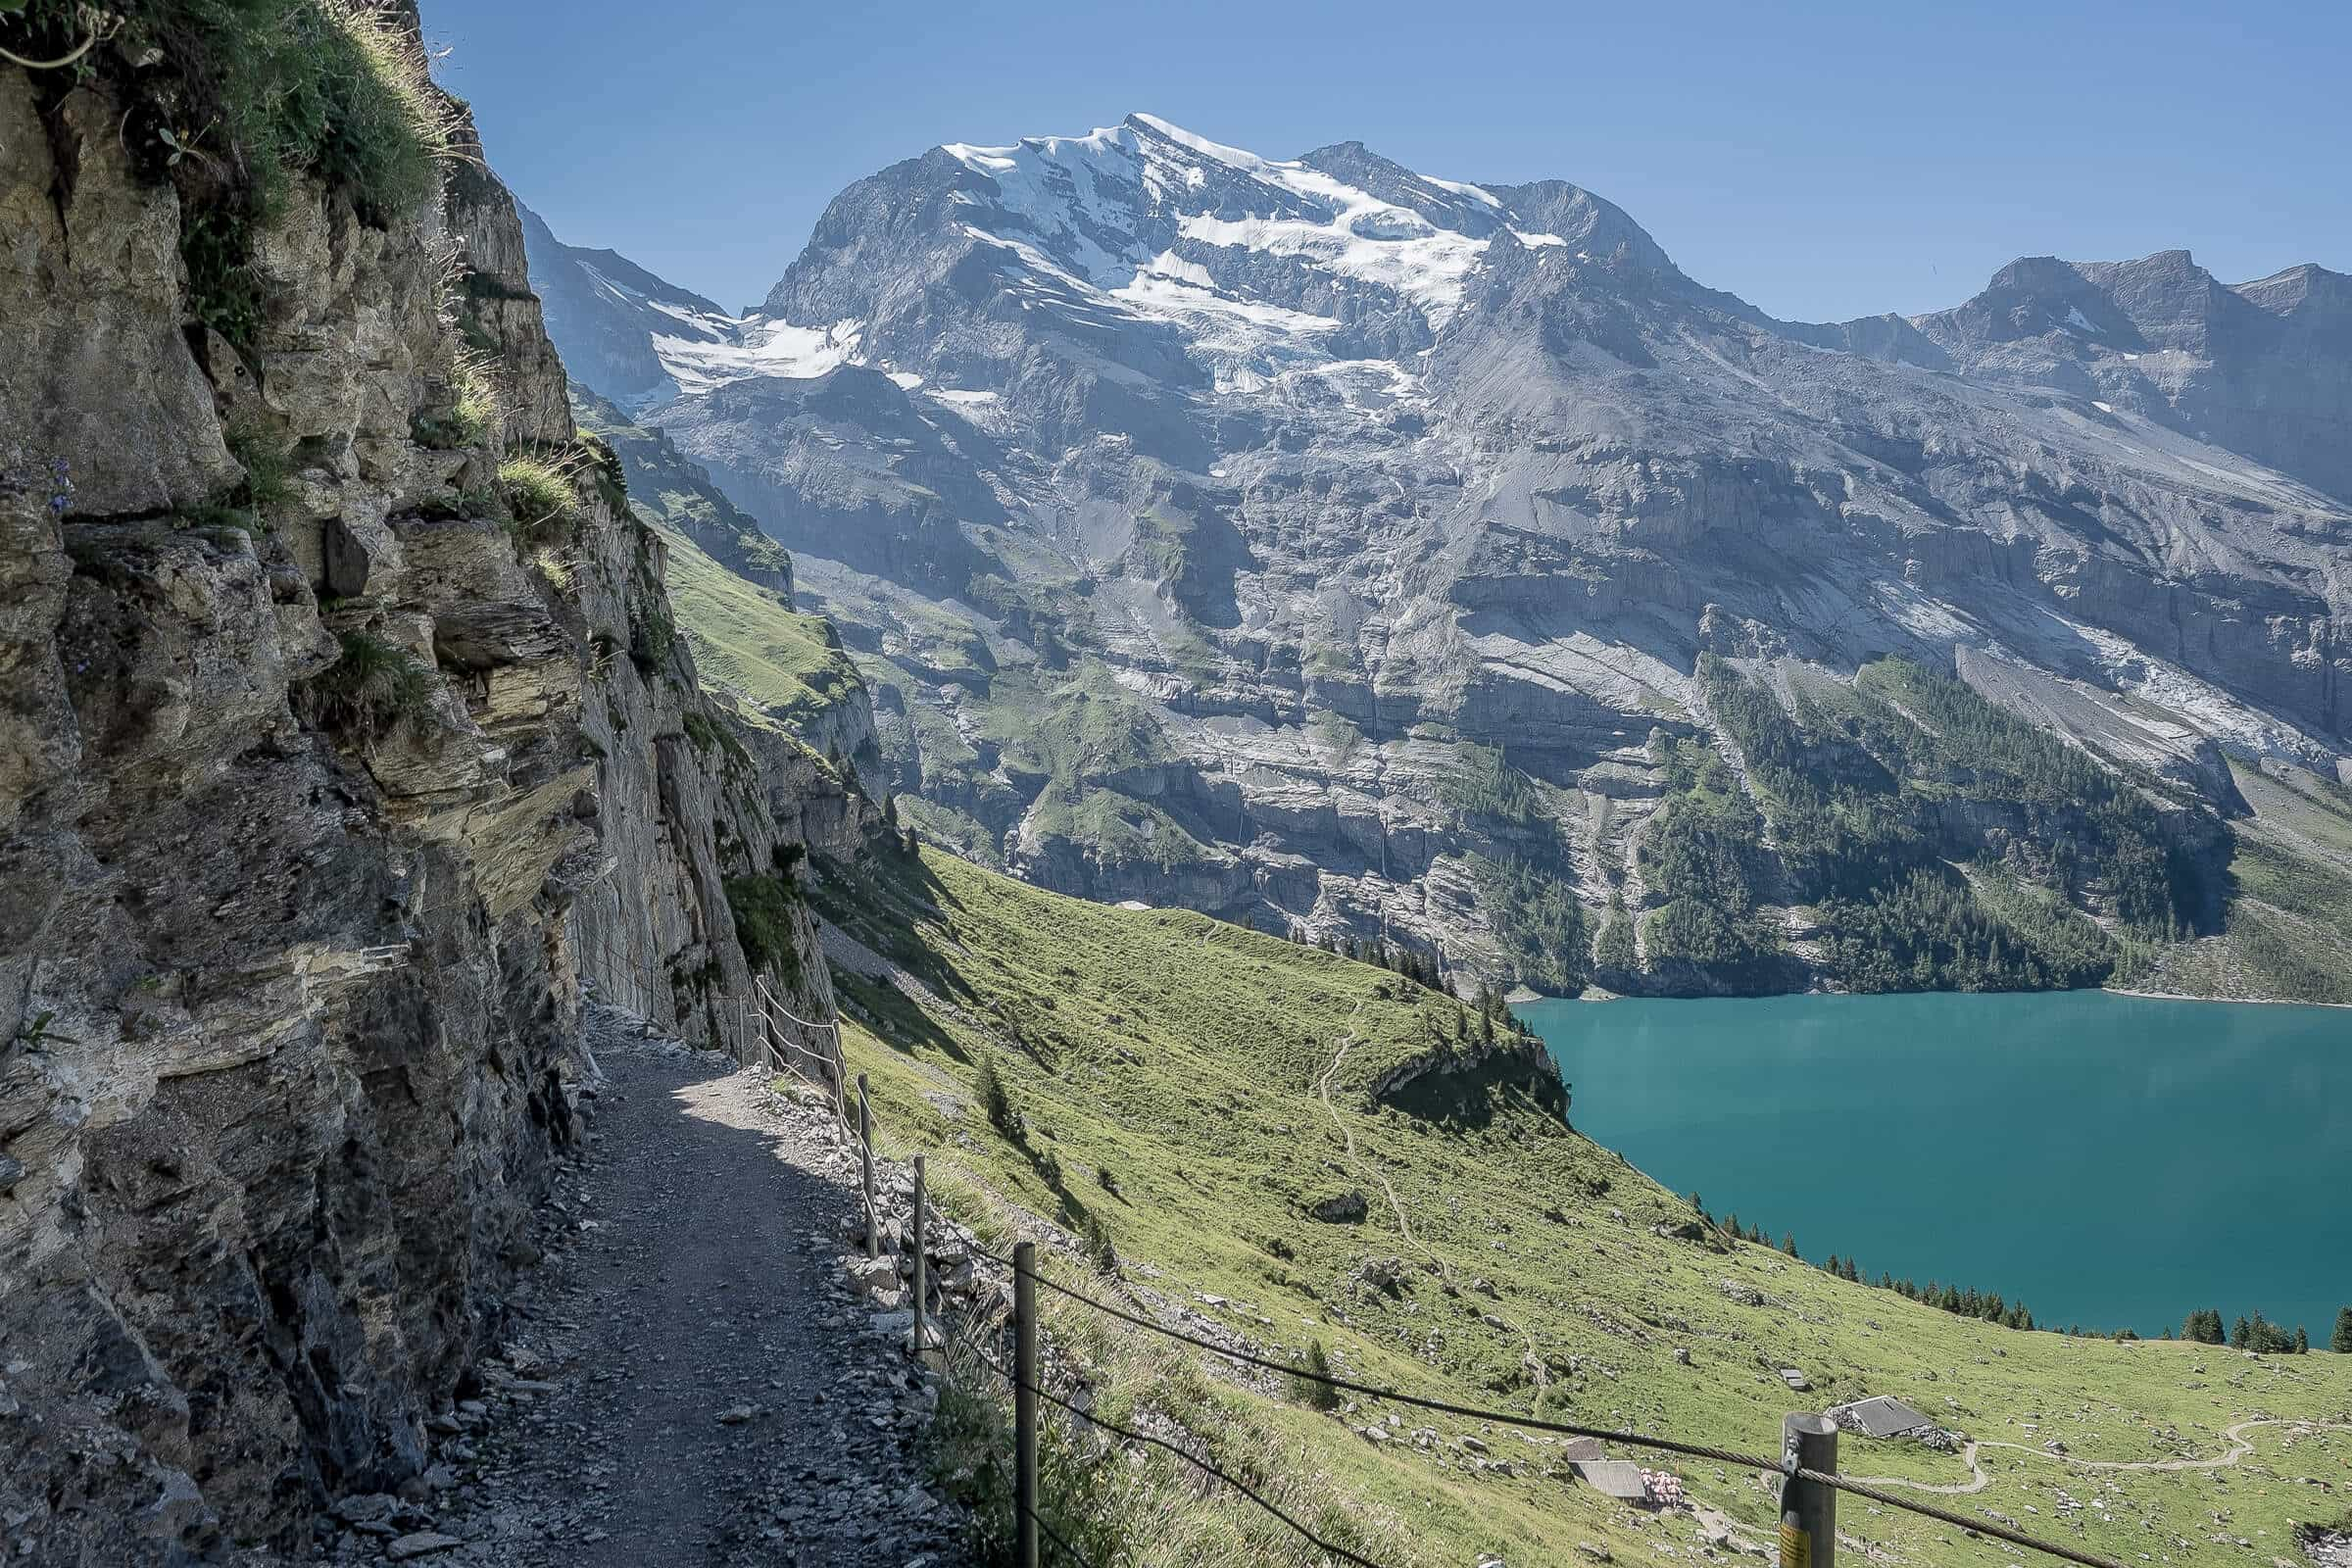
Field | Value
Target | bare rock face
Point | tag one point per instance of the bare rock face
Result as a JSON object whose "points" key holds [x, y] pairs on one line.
{"points": [[313, 819], [95, 365], [1189, 510]]}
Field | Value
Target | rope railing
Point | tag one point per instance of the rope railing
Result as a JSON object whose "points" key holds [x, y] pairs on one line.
{"points": [[633, 988], [759, 984], [1623, 1435], [996, 1462], [1189, 1457]]}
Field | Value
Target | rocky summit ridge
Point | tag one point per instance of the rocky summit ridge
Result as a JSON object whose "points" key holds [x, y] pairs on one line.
{"points": [[1196, 517]]}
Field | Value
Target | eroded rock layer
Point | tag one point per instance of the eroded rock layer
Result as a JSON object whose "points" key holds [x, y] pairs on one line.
{"points": [[334, 757]]}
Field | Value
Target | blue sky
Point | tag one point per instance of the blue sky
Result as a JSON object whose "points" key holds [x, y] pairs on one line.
{"points": [[1836, 161]]}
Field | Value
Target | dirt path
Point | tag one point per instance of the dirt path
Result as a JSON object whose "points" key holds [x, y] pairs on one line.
{"points": [[1404, 1223], [2239, 1447], [691, 1384], [1977, 1482]]}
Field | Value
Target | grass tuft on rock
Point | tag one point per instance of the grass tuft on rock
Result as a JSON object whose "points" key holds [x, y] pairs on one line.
{"points": [[539, 493], [375, 686], [242, 99]]}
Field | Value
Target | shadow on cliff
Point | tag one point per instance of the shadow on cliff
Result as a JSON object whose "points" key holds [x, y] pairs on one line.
{"points": [[880, 901]]}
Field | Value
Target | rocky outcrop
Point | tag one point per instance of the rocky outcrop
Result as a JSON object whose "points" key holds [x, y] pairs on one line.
{"points": [[320, 793]]}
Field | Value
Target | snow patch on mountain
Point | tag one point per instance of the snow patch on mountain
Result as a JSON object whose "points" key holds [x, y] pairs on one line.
{"points": [[1360, 238], [1127, 224], [754, 347]]}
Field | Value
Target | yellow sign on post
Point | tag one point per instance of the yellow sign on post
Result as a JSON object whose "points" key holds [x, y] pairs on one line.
{"points": [[1796, 1546]]}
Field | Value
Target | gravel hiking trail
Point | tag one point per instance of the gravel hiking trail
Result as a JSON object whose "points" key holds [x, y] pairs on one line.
{"points": [[689, 1383]]}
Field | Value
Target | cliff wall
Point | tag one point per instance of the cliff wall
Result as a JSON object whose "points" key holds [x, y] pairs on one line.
{"points": [[344, 733]]}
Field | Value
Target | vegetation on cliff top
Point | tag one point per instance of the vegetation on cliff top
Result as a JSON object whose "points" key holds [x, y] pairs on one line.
{"points": [[1942, 841], [233, 100]]}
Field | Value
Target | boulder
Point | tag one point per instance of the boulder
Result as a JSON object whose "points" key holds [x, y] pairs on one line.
{"points": [[1341, 1209]]}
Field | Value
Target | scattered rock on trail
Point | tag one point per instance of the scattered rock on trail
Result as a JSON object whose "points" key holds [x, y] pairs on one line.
{"points": [[691, 1376]]}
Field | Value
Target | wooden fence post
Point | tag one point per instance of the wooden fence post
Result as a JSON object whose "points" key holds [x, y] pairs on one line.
{"points": [[1809, 1509], [866, 1155], [919, 1260], [1025, 1400]]}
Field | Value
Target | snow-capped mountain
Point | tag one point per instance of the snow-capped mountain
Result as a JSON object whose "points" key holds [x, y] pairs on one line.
{"points": [[1258, 266], [1224, 443]]}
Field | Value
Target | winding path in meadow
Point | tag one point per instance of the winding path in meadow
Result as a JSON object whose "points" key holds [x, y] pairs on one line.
{"points": [[2239, 1447], [1404, 1223]]}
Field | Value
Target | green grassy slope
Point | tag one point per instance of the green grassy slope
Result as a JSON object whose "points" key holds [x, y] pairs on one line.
{"points": [[787, 666], [2290, 926], [1186, 1059]]}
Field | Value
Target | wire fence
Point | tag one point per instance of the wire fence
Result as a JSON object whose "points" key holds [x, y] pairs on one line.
{"points": [[1129, 1433], [1784, 1466], [638, 991], [782, 1036]]}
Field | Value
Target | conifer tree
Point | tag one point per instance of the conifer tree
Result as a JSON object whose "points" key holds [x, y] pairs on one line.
{"points": [[994, 1102], [1315, 1395], [2241, 1334], [2302, 1340], [1789, 1244], [2341, 1342]]}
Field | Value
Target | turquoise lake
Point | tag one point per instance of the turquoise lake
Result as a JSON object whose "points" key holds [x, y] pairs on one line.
{"points": [[2114, 1162]]}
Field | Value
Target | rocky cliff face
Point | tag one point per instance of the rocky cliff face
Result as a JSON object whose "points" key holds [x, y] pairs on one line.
{"points": [[334, 756], [668, 489], [1192, 512]]}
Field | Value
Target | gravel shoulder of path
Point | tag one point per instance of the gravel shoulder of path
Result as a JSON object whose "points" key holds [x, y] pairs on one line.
{"points": [[689, 1376]]}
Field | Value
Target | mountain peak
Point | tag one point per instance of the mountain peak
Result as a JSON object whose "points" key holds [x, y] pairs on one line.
{"points": [[1169, 130]]}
